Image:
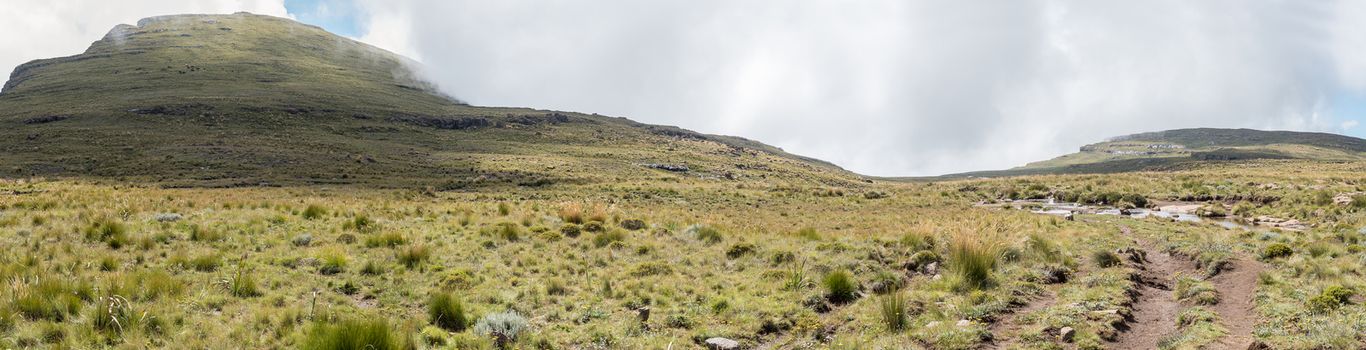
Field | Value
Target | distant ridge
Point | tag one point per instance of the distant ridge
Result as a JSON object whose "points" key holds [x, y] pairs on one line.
{"points": [[1180, 148]]}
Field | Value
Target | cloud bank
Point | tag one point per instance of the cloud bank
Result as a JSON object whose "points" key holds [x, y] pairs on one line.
{"points": [[892, 87], [882, 87], [54, 28]]}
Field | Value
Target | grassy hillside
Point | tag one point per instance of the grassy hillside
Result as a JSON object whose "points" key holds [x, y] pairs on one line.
{"points": [[1187, 148], [233, 100]]}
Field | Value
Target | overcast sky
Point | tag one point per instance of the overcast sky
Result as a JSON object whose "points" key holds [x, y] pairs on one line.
{"points": [[881, 87]]}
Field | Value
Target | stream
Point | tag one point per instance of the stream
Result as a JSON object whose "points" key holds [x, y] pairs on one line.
{"points": [[1178, 211]]}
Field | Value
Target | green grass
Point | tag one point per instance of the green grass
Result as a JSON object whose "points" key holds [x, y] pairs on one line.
{"points": [[573, 295], [839, 286], [413, 256], [1196, 291], [353, 335], [893, 310], [972, 263], [445, 311], [313, 211]]}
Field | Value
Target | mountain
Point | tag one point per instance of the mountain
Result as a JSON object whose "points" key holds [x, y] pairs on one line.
{"points": [[243, 99], [1173, 149]]}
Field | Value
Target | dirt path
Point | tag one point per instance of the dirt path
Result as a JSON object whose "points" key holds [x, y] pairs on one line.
{"points": [[1237, 286], [1005, 331], [1156, 309]]}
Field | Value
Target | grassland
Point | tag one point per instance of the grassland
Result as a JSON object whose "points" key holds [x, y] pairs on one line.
{"points": [[245, 181], [573, 266]]}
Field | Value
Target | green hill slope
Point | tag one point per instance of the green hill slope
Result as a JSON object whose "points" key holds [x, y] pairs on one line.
{"points": [[1184, 148], [227, 100]]}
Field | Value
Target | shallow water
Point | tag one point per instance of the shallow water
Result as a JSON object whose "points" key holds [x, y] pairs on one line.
{"points": [[1052, 207]]}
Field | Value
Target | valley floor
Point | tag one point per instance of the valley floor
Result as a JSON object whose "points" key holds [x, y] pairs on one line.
{"points": [[669, 265]]}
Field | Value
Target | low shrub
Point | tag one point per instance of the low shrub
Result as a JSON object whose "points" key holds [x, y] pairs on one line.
{"points": [[571, 230], [606, 238], [302, 240], [1331, 298], [740, 249], [1276, 250], [503, 327]]}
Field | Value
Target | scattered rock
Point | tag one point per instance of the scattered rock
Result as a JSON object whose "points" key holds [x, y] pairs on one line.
{"points": [[643, 314], [677, 168], [446, 123], [719, 343], [932, 324], [57, 118], [964, 323], [1055, 274], [168, 217], [531, 119], [1066, 334], [1339, 199], [1068, 217]]}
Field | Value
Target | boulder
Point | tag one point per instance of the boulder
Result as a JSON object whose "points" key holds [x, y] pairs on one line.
{"points": [[1066, 334], [168, 217], [719, 343]]}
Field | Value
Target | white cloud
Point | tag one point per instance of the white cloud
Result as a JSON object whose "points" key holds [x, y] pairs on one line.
{"points": [[55, 28], [894, 87], [885, 87], [1349, 125]]}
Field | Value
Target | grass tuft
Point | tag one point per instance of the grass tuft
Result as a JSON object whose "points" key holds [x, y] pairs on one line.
{"points": [[839, 286], [971, 263], [445, 311], [353, 335]]}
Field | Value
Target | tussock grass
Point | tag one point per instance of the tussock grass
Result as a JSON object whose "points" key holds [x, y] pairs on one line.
{"points": [[313, 212], [447, 312], [413, 256], [894, 311], [972, 262], [840, 286], [358, 334]]}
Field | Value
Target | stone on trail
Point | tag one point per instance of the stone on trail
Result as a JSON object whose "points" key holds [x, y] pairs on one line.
{"points": [[718, 343]]}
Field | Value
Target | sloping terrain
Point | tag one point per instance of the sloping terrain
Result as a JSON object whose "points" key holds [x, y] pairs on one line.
{"points": [[1187, 148], [232, 100]]}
